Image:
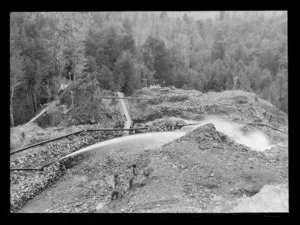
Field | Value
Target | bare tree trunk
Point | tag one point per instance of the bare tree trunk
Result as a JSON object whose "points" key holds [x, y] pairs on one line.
{"points": [[23, 112], [49, 91], [57, 67], [73, 71], [280, 91], [28, 100], [11, 115], [33, 103]]}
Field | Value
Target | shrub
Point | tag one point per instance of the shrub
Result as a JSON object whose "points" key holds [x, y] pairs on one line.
{"points": [[177, 98], [65, 98], [45, 120], [155, 101], [241, 99]]}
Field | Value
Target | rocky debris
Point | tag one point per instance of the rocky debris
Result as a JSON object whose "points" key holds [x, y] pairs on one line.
{"points": [[174, 97], [24, 184], [225, 171], [183, 175], [249, 191], [164, 90], [23, 135], [89, 107], [277, 152], [159, 125], [189, 171], [147, 172], [94, 194], [164, 125], [188, 104], [271, 198]]}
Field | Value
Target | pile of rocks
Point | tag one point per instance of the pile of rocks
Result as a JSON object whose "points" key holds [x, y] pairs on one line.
{"points": [[160, 125], [26, 184]]}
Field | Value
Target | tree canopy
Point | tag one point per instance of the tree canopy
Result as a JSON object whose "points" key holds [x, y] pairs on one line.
{"points": [[121, 49]]}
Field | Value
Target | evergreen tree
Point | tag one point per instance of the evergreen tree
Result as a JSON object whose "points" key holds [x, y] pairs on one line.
{"points": [[163, 15], [48, 47], [126, 75], [156, 58], [106, 79]]}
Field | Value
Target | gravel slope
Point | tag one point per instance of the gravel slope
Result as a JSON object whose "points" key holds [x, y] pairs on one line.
{"points": [[186, 175], [196, 173]]}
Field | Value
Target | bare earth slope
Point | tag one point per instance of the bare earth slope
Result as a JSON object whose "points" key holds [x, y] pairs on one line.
{"points": [[195, 173], [203, 171]]}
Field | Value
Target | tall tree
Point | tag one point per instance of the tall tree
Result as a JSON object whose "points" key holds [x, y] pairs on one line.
{"points": [[16, 77], [106, 79], [126, 76], [163, 15], [218, 50], [281, 83], [222, 15], [186, 19], [156, 58]]}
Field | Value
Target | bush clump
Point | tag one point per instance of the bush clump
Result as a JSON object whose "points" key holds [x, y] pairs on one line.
{"points": [[177, 98], [88, 108], [88, 113], [155, 101], [240, 99], [45, 120]]}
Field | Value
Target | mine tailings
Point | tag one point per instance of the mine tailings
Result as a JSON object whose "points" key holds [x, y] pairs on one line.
{"points": [[256, 140]]}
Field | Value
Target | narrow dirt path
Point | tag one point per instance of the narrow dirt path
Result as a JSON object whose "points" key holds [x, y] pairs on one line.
{"points": [[125, 112]]}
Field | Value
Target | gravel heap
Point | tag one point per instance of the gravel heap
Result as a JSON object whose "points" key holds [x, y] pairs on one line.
{"points": [[25, 184]]}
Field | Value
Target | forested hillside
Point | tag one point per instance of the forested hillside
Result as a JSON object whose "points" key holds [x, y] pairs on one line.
{"points": [[123, 49]]}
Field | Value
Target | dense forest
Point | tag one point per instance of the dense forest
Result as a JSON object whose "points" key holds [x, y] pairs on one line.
{"points": [[122, 49]]}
